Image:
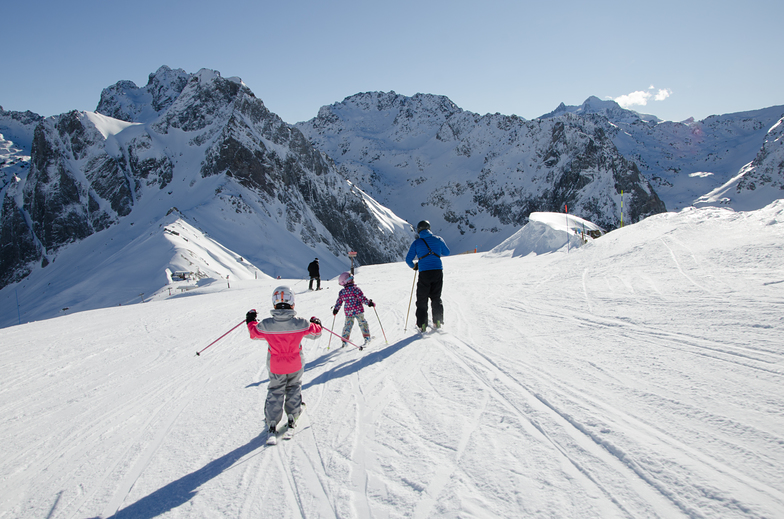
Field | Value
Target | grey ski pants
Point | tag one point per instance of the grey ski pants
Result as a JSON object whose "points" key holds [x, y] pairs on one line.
{"points": [[283, 392]]}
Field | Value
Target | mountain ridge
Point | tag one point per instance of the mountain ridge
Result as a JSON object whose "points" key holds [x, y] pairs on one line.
{"points": [[677, 162], [477, 178]]}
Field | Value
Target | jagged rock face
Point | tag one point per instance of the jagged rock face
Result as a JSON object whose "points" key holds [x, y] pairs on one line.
{"points": [[588, 174], [127, 102], [161, 144], [477, 178], [767, 168], [302, 179], [18, 249], [16, 137], [63, 207]]}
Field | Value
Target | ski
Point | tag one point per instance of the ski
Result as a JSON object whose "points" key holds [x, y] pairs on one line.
{"points": [[430, 329], [289, 432], [284, 431]]}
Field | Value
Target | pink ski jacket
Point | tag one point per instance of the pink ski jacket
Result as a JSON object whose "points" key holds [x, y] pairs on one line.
{"points": [[284, 333]]}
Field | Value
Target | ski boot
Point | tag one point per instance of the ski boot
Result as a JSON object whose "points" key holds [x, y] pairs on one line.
{"points": [[272, 435]]}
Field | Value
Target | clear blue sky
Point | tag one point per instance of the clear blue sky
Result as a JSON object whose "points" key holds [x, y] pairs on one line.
{"points": [[698, 57]]}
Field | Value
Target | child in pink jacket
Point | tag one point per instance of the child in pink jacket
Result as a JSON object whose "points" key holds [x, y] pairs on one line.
{"points": [[283, 332]]}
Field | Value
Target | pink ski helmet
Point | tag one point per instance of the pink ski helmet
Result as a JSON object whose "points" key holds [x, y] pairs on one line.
{"points": [[345, 279]]}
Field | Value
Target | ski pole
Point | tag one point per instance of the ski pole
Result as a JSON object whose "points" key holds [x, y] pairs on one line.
{"points": [[334, 316], [381, 325], [341, 338], [409, 300], [198, 353]]}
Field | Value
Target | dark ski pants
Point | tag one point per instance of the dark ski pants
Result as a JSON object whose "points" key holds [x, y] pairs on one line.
{"points": [[429, 289], [318, 283], [283, 392]]}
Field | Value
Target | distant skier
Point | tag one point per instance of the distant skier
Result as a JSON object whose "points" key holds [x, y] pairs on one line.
{"points": [[313, 271], [353, 298], [429, 248], [283, 332]]}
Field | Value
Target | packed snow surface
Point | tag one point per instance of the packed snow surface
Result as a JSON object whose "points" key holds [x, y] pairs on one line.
{"points": [[637, 376]]}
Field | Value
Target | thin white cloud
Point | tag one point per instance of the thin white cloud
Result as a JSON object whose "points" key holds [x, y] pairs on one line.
{"points": [[662, 94], [641, 97]]}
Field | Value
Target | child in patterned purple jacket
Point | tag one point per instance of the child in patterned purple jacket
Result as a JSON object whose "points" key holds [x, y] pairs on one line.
{"points": [[353, 298]]}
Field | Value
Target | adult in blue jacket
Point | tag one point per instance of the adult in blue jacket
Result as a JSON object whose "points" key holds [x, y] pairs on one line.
{"points": [[429, 248]]}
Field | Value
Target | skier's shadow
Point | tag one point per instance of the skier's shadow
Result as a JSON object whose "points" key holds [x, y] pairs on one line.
{"points": [[352, 366], [348, 367], [184, 489]]}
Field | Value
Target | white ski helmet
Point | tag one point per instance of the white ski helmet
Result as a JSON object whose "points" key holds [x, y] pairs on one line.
{"points": [[282, 295], [345, 278]]}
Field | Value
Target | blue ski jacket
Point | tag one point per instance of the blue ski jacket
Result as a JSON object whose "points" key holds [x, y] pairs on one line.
{"points": [[429, 248]]}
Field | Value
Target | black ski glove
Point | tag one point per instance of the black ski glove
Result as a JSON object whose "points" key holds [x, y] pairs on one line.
{"points": [[335, 311], [416, 266], [371, 304], [315, 320], [250, 316]]}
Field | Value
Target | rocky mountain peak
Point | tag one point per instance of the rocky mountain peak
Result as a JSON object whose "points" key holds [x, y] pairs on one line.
{"points": [[127, 102], [605, 108], [198, 141]]}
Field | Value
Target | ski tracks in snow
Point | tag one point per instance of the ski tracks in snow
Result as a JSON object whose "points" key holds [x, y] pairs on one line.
{"points": [[175, 395], [553, 427], [635, 490], [638, 478]]}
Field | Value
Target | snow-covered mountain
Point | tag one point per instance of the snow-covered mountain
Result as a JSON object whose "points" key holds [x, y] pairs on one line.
{"points": [[607, 108], [759, 182], [198, 145], [478, 178], [686, 160], [16, 138]]}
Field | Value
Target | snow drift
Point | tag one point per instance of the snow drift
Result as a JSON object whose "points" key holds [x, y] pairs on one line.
{"points": [[548, 232]]}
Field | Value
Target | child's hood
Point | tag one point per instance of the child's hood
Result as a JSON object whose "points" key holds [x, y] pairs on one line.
{"points": [[283, 314]]}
